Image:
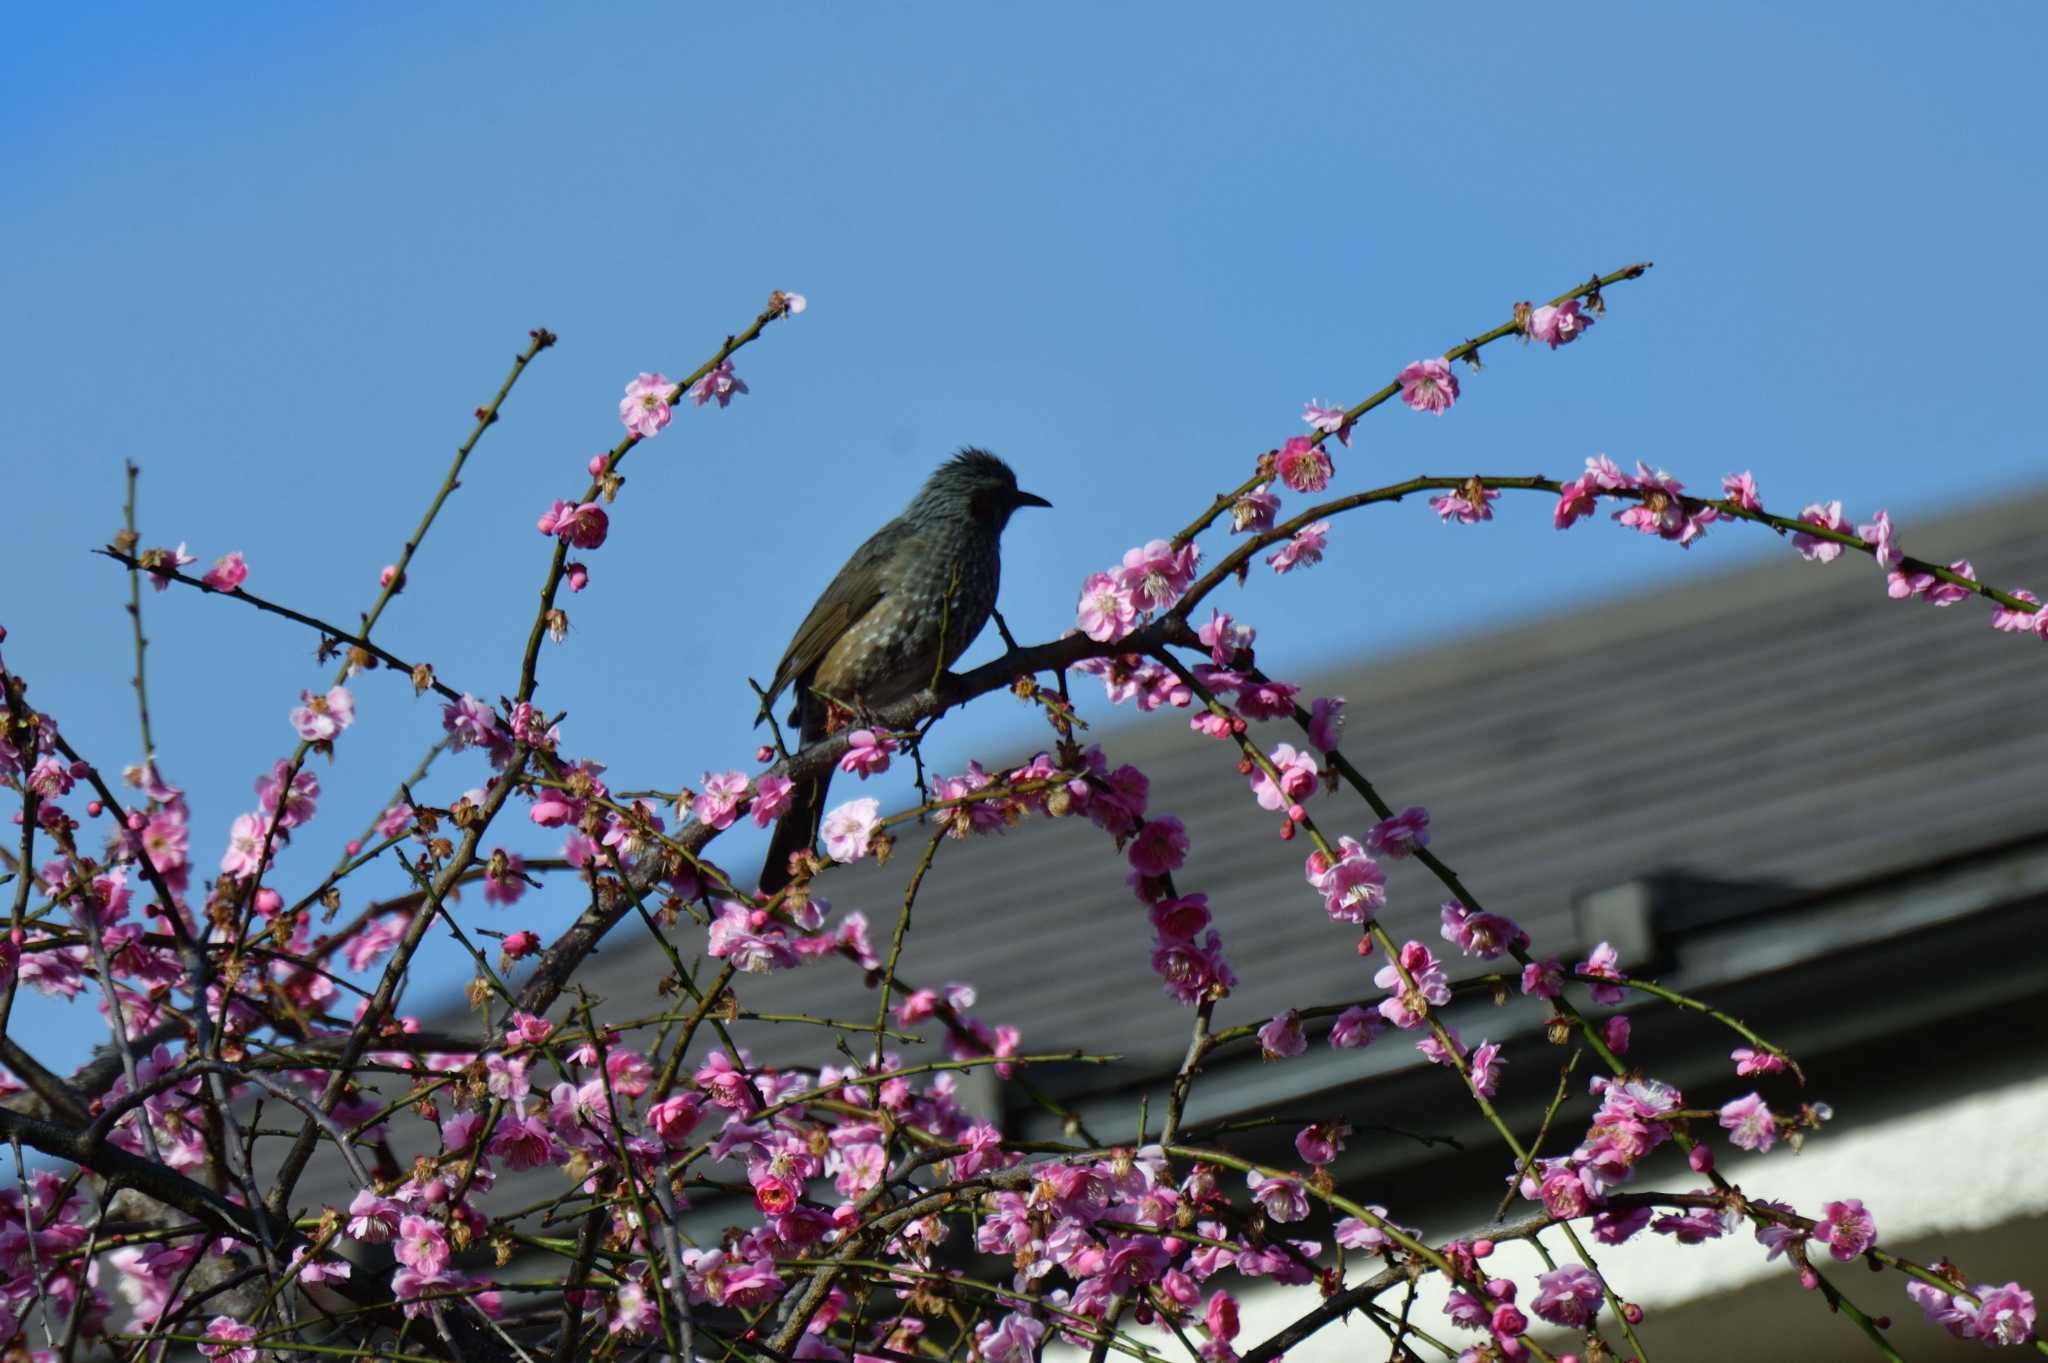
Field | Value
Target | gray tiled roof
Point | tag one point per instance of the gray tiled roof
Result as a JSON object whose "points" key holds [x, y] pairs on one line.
{"points": [[1784, 727]]}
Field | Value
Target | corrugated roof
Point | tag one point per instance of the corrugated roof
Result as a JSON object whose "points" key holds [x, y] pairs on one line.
{"points": [[1785, 727]]}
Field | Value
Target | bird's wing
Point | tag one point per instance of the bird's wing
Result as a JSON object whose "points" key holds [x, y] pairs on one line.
{"points": [[853, 593]]}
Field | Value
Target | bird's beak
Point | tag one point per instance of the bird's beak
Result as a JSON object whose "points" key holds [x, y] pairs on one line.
{"points": [[1031, 499]]}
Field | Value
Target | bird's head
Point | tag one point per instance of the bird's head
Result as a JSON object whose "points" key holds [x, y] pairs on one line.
{"points": [[980, 483]]}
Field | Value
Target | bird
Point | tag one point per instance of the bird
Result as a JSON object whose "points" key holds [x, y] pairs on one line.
{"points": [[906, 605]]}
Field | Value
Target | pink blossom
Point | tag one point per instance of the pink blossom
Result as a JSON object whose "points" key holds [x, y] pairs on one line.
{"points": [[1305, 550], [1563, 1193], [1543, 979], [719, 802], [1469, 505], [1409, 1004], [1484, 935], [1328, 420], [1155, 574], [528, 1030], [1220, 1318], [1272, 1261], [372, 1219], [629, 836], [530, 727], [521, 944], [1828, 516], [389, 578], [1741, 490], [1282, 1037], [227, 1341], [867, 752], [1600, 964], [1297, 775], [1355, 1027], [1941, 1308], [1847, 1228], [1575, 499], [1014, 1340], [1879, 533], [1748, 1061], [1692, 1228], [415, 1291], [720, 384], [298, 802], [644, 409], [1106, 612], [505, 890], [1749, 1123], [749, 940], [246, 854], [1355, 1232], [1180, 919], [1191, 971], [1568, 1296], [555, 808], [1303, 465], [633, 1312], [984, 1151], [1354, 888], [422, 1244], [525, 1142], [1267, 699], [1558, 325], [1615, 1032], [1161, 846], [848, 829], [1486, 1066], [2015, 621], [1225, 638], [1901, 585], [1948, 593], [1446, 1050], [1322, 1142], [1619, 1227], [1429, 386], [1467, 1311], [584, 526], [163, 562], [673, 1118], [51, 778], [773, 796], [469, 722], [227, 573], [372, 942], [2004, 1316], [773, 1194], [319, 718], [1776, 1238], [1255, 510], [1326, 722], [1606, 475], [1662, 510], [316, 1271], [1281, 1195], [1396, 837]]}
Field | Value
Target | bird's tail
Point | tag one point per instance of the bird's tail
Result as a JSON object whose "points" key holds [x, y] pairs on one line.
{"points": [[794, 831], [797, 830]]}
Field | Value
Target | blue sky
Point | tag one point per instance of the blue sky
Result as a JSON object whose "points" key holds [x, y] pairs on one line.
{"points": [[277, 254]]}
